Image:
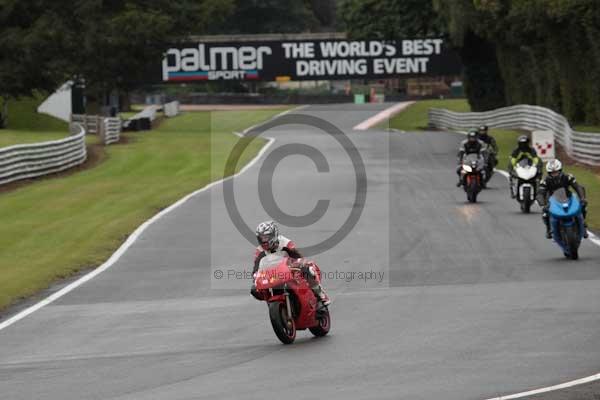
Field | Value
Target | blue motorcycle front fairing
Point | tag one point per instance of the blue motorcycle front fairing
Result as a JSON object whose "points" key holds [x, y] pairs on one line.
{"points": [[565, 211]]}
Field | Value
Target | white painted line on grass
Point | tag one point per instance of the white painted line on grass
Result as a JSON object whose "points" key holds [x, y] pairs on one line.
{"points": [[382, 116], [134, 236]]}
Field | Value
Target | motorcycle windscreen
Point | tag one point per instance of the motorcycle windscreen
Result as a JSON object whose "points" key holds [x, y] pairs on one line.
{"points": [[524, 162], [273, 271], [271, 261], [470, 159], [564, 204]]}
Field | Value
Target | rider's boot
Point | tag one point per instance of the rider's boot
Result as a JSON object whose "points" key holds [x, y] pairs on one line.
{"points": [[321, 295], [511, 184], [584, 213], [547, 224]]}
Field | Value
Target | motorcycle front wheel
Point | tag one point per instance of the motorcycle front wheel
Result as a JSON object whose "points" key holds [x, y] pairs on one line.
{"points": [[571, 241], [526, 202], [283, 325], [472, 191]]}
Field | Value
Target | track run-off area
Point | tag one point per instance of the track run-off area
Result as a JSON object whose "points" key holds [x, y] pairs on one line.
{"points": [[433, 297]]}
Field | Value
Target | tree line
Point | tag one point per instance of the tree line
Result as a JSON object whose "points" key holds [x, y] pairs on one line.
{"points": [[542, 52], [109, 45]]}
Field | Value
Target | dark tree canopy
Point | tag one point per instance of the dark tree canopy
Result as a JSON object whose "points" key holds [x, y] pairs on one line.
{"points": [[267, 16], [546, 52], [543, 52], [389, 19], [106, 43]]}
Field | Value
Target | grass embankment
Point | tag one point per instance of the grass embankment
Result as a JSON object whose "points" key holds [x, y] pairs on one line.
{"points": [[415, 117], [25, 125], [54, 227], [587, 128]]}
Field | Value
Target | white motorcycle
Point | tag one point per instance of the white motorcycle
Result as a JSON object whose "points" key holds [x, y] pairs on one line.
{"points": [[525, 184]]}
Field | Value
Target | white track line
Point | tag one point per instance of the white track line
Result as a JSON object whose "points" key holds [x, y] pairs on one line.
{"points": [[382, 116], [565, 385], [136, 234]]}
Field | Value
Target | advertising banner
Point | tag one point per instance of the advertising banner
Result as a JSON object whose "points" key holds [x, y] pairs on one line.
{"points": [[308, 60]]}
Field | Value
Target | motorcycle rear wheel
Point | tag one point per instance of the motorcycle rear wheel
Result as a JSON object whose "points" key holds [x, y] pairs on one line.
{"points": [[283, 326], [324, 323]]}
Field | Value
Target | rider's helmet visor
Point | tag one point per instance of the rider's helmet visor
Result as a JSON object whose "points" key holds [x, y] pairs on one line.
{"points": [[264, 241]]}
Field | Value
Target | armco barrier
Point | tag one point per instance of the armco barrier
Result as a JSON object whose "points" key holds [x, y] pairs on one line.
{"points": [[24, 161], [171, 109], [583, 147], [112, 130], [108, 129]]}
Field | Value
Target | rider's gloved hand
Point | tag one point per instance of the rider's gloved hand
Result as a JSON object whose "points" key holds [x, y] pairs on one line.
{"points": [[254, 292], [545, 210]]}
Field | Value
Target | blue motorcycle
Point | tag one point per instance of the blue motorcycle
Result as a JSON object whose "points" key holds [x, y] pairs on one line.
{"points": [[566, 222]]}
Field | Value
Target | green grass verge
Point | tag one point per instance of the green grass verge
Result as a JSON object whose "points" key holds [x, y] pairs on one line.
{"points": [[25, 125], [127, 114], [54, 227], [587, 128], [415, 117]]}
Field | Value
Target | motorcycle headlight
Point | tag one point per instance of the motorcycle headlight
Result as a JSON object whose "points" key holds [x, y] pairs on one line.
{"points": [[467, 168]]}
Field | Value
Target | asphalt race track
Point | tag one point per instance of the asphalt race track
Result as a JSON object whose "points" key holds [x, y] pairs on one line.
{"points": [[473, 302]]}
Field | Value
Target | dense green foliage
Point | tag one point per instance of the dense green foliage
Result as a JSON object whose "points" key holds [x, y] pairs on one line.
{"points": [[542, 52], [389, 19], [109, 44], [267, 16], [546, 51]]}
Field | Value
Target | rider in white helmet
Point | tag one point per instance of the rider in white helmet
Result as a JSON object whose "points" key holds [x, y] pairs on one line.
{"points": [[270, 241], [556, 179]]}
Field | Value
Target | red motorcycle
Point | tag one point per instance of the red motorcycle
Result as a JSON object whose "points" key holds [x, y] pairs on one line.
{"points": [[471, 174], [292, 303]]}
